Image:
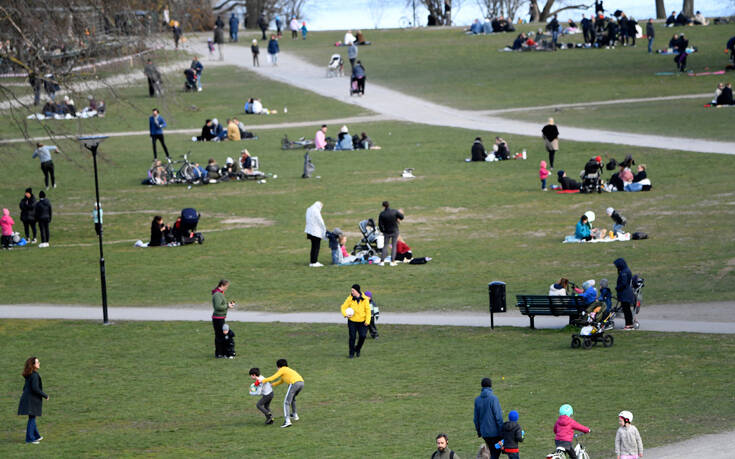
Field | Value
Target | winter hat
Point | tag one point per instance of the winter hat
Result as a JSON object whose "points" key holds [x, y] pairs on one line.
{"points": [[543, 164], [6, 212], [588, 284], [229, 160], [344, 129], [42, 194], [598, 158], [368, 293], [357, 287], [255, 42], [513, 416], [29, 190], [603, 283], [609, 210], [560, 173], [225, 328]]}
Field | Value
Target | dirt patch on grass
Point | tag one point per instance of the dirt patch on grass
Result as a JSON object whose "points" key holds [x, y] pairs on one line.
{"points": [[247, 222], [396, 179]]}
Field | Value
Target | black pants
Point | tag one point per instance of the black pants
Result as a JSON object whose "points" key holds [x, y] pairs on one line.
{"points": [[263, 31], [151, 88], [158, 137], [43, 228], [294, 35], [567, 445], [551, 158], [355, 329], [361, 85], [48, 169], [98, 228], [315, 244], [264, 405], [6, 240], [372, 328], [219, 343], [627, 313], [29, 224], [490, 442]]}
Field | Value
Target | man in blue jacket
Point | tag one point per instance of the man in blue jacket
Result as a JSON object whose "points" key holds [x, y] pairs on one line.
{"points": [[489, 418], [198, 67], [234, 25], [624, 291], [156, 123]]}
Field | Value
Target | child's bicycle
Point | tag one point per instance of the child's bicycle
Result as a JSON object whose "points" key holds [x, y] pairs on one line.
{"points": [[579, 450]]}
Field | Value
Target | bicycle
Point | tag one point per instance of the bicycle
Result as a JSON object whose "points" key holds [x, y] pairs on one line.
{"points": [[579, 450], [185, 173]]}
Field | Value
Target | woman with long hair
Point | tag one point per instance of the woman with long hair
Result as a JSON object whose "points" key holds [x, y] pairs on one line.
{"points": [[31, 402]]}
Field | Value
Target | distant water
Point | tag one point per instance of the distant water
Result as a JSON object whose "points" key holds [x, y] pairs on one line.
{"points": [[370, 14]]}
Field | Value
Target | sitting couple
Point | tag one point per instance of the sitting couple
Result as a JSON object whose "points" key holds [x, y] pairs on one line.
{"points": [[624, 180], [500, 151], [255, 107], [723, 95]]}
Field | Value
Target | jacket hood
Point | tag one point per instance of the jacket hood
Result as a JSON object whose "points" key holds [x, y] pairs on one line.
{"points": [[564, 420], [620, 264], [6, 212], [317, 205], [486, 392], [543, 164]]}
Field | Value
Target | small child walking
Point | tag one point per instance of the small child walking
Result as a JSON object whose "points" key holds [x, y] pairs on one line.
{"points": [[228, 341], [374, 315], [304, 30], [210, 47], [628, 444], [543, 174], [512, 435], [256, 51], [618, 220], [564, 429], [266, 395], [6, 224]]}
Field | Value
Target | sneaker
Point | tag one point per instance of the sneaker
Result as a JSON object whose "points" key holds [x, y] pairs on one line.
{"points": [[393, 263], [230, 356], [269, 420], [318, 265], [286, 424], [199, 89], [33, 241], [39, 439], [628, 327], [382, 263], [54, 185], [35, 442], [295, 417]]}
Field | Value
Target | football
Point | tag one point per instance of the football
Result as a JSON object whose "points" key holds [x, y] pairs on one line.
{"points": [[349, 312]]}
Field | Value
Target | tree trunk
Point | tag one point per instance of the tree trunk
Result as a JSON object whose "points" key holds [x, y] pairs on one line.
{"points": [[687, 8], [534, 11], [660, 10], [447, 12]]}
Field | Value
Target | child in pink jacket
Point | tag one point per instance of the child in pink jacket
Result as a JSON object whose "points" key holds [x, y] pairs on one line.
{"points": [[543, 173], [564, 429], [6, 225]]}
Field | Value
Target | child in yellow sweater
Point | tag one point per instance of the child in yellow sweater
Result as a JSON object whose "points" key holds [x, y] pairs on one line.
{"points": [[295, 385]]}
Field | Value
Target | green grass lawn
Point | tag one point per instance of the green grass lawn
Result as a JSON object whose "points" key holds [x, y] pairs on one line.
{"points": [[455, 69], [480, 222], [154, 389], [226, 89], [684, 118]]}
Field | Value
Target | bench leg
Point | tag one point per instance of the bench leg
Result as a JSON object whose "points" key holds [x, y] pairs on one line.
{"points": [[531, 317]]}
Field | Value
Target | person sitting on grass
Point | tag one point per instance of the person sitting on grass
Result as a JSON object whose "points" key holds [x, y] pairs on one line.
{"points": [[478, 150], [344, 140], [567, 183], [345, 257], [725, 96], [519, 42], [218, 130], [213, 169], [233, 131], [157, 173], [501, 149], [583, 231], [160, 232], [207, 132], [640, 180], [364, 143], [246, 161]]}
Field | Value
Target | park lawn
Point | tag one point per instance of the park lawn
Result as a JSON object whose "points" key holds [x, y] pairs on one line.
{"points": [[154, 389], [479, 223], [226, 89], [464, 71], [683, 118]]}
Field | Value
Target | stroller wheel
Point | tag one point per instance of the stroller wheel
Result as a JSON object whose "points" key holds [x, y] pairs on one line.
{"points": [[607, 340], [636, 325], [576, 342], [587, 343]]}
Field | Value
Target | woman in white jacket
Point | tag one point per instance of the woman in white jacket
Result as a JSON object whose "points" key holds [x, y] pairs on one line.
{"points": [[315, 231]]}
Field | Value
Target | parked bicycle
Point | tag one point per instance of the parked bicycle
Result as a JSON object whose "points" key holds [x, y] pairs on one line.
{"points": [[181, 170]]}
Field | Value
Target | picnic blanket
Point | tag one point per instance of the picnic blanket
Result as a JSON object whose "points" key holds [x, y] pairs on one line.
{"points": [[622, 237]]}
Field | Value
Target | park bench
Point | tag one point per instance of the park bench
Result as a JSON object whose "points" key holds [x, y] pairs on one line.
{"points": [[542, 305]]}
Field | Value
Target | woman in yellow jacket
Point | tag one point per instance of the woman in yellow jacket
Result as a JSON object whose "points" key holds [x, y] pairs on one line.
{"points": [[357, 310]]}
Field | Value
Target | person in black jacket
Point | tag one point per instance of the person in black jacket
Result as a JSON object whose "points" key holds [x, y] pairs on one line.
{"points": [[618, 220], [650, 34], [263, 24], [632, 31], [681, 57], [43, 212], [566, 182], [159, 231], [512, 435], [28, 214], [623, 26], [550, 134], [31, 402], [388, 225], [725, 97], [624, 291], [586, 29], [478, 150]]}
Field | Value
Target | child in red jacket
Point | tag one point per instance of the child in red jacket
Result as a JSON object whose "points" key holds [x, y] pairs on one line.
{"points": [[6, 223], [564, 429]]}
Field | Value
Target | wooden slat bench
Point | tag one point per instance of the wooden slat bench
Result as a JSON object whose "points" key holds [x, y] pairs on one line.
{"points": [[542, 305]]}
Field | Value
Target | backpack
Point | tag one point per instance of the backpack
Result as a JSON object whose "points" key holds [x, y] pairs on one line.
{"points": [[436, 454], [611, 165], [639, 235]]}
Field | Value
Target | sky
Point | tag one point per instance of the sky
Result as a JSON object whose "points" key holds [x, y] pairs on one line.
{"points": [[370, 14]]}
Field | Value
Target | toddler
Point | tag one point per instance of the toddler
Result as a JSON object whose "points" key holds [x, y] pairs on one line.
{"points": [[605, 295], [228, 341], [543, 174], [256, 51], [6, 223], [512, 434], [628, 444], [618, 220], [266, 395], [564, 429]]}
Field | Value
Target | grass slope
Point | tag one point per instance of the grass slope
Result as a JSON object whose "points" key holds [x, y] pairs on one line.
{"points": [[480, 222], [154, 389]]}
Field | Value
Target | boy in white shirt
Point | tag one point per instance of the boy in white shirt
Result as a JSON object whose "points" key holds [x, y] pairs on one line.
{"points": [[266, 395]]}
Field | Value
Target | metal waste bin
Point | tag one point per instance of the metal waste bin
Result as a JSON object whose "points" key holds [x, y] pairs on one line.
{"points": [[496, 290]]}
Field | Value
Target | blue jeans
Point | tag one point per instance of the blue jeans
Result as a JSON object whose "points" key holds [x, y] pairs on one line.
{"points": [[635, 186], [554, 37], [543, 184], [31, 430], [617, 228], [199, 81], [650, 44], [513, 455], [335, 256]]}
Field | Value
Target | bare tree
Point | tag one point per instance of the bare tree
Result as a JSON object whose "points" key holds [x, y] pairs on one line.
{"points": [[377, 9], [660, 9], [441, 9], [687, 7], [542, 14], [494, 8], [291, 8]]}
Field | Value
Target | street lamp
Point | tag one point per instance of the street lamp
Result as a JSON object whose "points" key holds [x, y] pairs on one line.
{"points": [[91, 143]]}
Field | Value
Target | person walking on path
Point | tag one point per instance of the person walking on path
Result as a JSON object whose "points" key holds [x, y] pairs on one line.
{"points": [[295, 386], [43, 153], [220, 306], [359, 76], [28, 214], [279, 26], [263, 25], [219, 40], [156, 123], [550, 134], [624, 291], [356, 308], [442, 448], [234, 25], [388, 225], [489, 417], [273, 49], [315, 231], [154, 79], [43, 213], [198, 68], [177, 34], [294, 26], [255, 49], [31, 401], [352, 54], [650, 34]]}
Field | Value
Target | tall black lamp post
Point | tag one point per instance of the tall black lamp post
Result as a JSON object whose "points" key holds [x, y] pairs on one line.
{"points": [[91, 143]]}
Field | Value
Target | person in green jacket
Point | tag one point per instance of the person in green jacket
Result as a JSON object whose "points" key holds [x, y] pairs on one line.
{"points": [[220, 306]]}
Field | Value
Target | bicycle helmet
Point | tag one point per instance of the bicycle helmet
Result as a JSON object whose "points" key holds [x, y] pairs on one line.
{"points": [[566, 410], [626, 415]]}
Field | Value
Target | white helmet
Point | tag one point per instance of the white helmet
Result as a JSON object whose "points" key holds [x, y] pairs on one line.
{"points": [[626, 415]]}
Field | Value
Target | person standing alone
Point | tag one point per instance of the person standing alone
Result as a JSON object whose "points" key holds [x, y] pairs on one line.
{"points": [[550, 134], [156, 123], [43, 153], [489, 417], [31, 402], [315, 231], [650, 34], [388, 225], [356, 308]]}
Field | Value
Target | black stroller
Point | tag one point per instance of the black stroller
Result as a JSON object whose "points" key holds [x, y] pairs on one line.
{"points": [[185, 227], [191, 80], [371, 243]]}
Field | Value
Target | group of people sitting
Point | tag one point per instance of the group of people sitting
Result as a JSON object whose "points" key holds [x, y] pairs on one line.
{"points": [[500, 151], [358, 39], [623, 180], [495, 25], [213, 131], [255, 107], [243, 169], [683, 20], [167, 235], [584, 231], [723, 95], [67, 109], [344, 140]]}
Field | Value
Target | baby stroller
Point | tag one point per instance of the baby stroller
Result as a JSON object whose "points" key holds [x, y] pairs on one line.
{"points": [[336, 65], [371, 242], [185, 228], [594, 325], [591, 183], [191, 80]]}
